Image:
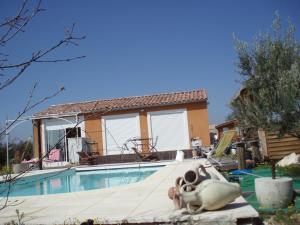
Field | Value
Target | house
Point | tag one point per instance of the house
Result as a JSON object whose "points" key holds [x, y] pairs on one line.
{"points": [[228, 125], [212, 132], [171, 118]]}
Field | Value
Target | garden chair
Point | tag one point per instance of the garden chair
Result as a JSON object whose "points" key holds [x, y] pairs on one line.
{"points": [[218, 151], [149, 156], [85, 158], [136, 145]]}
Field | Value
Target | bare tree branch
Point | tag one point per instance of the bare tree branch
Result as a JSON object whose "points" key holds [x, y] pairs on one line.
{"points": [[18, 22], [36, 58], [11, 80], [15, 25], [30, 106], [10, 72], [40, 54], [60, 60]]}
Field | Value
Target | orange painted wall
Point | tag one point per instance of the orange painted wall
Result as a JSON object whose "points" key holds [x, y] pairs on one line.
{"points": [[93, 131], [144, 130], [197, 123]]}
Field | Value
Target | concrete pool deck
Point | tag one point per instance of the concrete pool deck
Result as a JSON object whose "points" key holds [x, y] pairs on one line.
{"points": [[143, 202]]}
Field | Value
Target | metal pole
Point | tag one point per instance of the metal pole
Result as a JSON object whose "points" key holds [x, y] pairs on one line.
{"points": [[273, 164], [37, 124], [6, 134], [76, 126]]}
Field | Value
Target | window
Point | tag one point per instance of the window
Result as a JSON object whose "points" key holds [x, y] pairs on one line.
{"points": [[58, 139]]}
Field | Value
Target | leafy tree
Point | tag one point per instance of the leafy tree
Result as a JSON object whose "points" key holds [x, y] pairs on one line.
{"points": [[270, 77], [19, 150]]}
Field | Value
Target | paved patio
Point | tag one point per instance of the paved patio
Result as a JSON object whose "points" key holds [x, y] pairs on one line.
{"points": [[142, 202]]}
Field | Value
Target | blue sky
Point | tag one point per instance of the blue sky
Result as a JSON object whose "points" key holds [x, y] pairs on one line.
{"points": [[138, 48]]}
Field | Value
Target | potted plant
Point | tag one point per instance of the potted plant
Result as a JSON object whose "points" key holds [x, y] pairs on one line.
{"points": [[269, 98]]}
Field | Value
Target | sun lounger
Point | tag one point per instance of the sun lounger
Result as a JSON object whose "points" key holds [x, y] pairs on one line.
{"points": [[224, 143]]}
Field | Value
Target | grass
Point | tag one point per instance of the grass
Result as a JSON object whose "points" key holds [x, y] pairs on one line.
{"points": [[282, 217], [5, 170], [291, 170], [287, 216]]}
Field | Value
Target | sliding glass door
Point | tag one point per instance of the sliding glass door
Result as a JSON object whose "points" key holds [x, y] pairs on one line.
{"points": [[56, 140]]}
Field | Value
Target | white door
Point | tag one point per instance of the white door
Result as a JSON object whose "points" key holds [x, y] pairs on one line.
{"points": [[118, 129], [171, 129]]}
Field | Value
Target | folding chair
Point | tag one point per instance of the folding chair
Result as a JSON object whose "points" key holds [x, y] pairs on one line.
{"points": [[224, 142]]}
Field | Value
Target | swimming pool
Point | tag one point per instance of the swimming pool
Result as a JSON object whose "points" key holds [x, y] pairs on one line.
{"points": [[72, 181]]}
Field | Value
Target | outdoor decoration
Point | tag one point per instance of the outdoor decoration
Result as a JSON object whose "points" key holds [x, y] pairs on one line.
{"points": [[174, 195], [197, 175], [200, 189], [210, 195]]}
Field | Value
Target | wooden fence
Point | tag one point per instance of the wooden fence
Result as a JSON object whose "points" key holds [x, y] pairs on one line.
{"points": [[276, 148]]}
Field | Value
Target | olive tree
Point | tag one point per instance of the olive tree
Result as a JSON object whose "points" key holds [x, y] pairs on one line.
{"points": [[270, 78]]}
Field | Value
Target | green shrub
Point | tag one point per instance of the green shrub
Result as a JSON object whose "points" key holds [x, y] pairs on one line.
{"points": [[291, 170], [5, 170]]}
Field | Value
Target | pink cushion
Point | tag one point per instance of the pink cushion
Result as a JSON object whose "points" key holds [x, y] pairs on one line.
{"points": [[54, 155]]}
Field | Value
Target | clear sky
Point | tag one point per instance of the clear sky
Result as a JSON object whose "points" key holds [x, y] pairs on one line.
{"points": [[138, 48]]}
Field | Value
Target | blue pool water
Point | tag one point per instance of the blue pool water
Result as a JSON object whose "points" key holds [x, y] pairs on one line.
{"points": [[72, 181]]}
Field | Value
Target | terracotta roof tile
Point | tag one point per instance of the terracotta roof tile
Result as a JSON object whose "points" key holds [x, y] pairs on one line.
{"points": [[126, 103]]}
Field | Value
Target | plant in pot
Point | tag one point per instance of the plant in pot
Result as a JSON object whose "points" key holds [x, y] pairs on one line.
{"points": [[269, 98]]}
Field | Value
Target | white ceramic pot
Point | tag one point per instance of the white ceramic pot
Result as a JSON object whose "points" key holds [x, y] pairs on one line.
{"points": [[274, 193], [210, 195], [192, 177], [179, 182], [198, 175], [207, 174], [174, 195]]}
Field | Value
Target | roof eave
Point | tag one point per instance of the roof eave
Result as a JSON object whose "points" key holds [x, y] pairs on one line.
{"points": [[47, 116]]}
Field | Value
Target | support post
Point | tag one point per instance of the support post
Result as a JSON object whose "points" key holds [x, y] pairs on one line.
{"points": [[273, 163], [39, 136], [255, 151], [76, 127], [6, 135], [240, 147]]}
